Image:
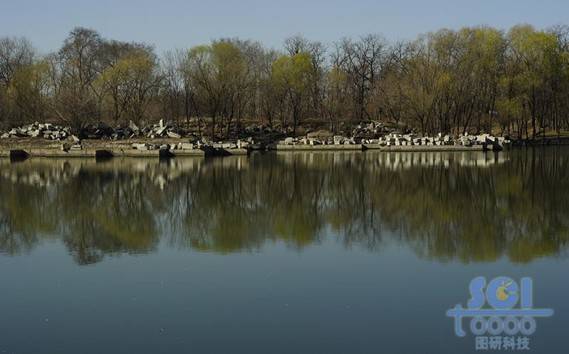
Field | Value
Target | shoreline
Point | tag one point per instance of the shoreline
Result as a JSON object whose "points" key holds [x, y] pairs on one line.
{"points": [[22, 148], [30, 148], [97, 148]]}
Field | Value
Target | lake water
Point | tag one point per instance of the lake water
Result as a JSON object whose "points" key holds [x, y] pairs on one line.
{"points": [[275, 253]]}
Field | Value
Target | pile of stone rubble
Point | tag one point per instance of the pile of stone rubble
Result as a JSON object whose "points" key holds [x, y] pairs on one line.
{"points": [[393, 139], [179, 146], [160, 130], [239, 144], [38, 130], [94, 131], [104, 131], [320, 137], [251, 136], [310, 140], [370, 130], [196, 144]]}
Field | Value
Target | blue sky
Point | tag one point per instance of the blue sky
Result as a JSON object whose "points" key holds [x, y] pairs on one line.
{"points": [[171, 24]]}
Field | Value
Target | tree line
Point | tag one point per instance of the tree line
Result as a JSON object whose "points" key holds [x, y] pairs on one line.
{"points": [[474, 79]]}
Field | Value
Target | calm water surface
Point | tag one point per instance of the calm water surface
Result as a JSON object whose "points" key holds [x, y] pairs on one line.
{"points": [[276, 253]]}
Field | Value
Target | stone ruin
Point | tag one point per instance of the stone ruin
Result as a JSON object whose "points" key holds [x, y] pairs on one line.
{"points": [[394, 139], [94, 131], [38, 130]]}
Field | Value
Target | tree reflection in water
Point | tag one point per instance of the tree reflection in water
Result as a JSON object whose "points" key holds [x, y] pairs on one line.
{"points": [[446, 206]]}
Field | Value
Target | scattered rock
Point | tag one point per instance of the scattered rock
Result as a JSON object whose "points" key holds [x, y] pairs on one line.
{"points": [[185, 146], [371, 130], [242, 144], [396, 139], [35, 130], [251, 137], [338, 139]]}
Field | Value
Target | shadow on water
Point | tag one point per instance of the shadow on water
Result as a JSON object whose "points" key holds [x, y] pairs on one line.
{"points": [[468, 207]]}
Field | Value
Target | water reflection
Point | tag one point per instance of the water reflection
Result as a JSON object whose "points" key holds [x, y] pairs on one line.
{"points": [[446, 206]]}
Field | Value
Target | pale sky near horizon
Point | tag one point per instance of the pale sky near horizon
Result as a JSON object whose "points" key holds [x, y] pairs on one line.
{"points": [[169, 24]]}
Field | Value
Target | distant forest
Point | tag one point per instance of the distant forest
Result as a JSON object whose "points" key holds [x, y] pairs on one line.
{"points": [[514, 82]]}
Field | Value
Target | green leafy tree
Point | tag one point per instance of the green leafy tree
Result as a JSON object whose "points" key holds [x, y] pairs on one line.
{"points": [[219, 72], [291, 75], [130, 85]]}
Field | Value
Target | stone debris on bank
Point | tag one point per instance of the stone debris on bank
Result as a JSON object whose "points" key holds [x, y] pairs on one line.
{"points": [[439, 140], [195, 145], [374, 135], [308, 140], [412, 141], [94, 131], [36, 130], [100, 140]]}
